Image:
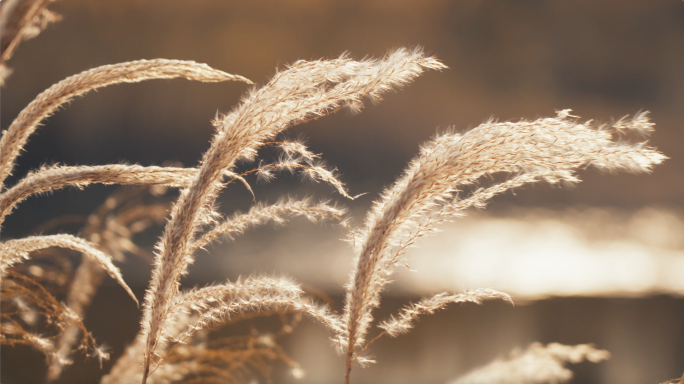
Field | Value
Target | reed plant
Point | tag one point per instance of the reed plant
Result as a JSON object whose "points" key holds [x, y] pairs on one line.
{"points": [[451, 173]]}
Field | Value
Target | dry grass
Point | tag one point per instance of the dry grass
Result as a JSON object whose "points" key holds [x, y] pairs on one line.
{"points": [[14, 139], [21, 20], [537, 364], [112, 227], [547, 149], [304, 91], [14, 251], [171, 345]]}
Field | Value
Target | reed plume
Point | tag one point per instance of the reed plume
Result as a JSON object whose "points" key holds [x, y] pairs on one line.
{"points": [[51, 178], [14, 251], [215, 303], [26, 304], [295, 157], [235, 359], [538, 364], [207, 308], [403, 323], [15, 137], [218, 305], [21, 20], [549, 149], [306, 90], [111, 227], [277, 213], [231, 360]]}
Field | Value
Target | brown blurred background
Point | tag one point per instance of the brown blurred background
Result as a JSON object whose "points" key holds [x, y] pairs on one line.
{"points": [[508, 59]]}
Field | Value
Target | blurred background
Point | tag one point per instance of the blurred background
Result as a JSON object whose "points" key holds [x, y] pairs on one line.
{"points": [[600, 262]]}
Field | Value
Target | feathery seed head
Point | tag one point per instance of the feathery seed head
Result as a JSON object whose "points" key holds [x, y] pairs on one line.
{"points": [[548, 149]]}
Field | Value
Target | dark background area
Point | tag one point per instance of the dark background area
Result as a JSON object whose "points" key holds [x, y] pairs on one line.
{"points": [[507, 59]]}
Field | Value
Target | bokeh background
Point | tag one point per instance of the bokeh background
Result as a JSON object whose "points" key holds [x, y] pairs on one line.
{"points": [[599, 262]]}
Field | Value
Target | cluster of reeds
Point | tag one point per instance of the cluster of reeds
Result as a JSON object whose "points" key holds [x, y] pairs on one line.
{"points": [[172, 345]]}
